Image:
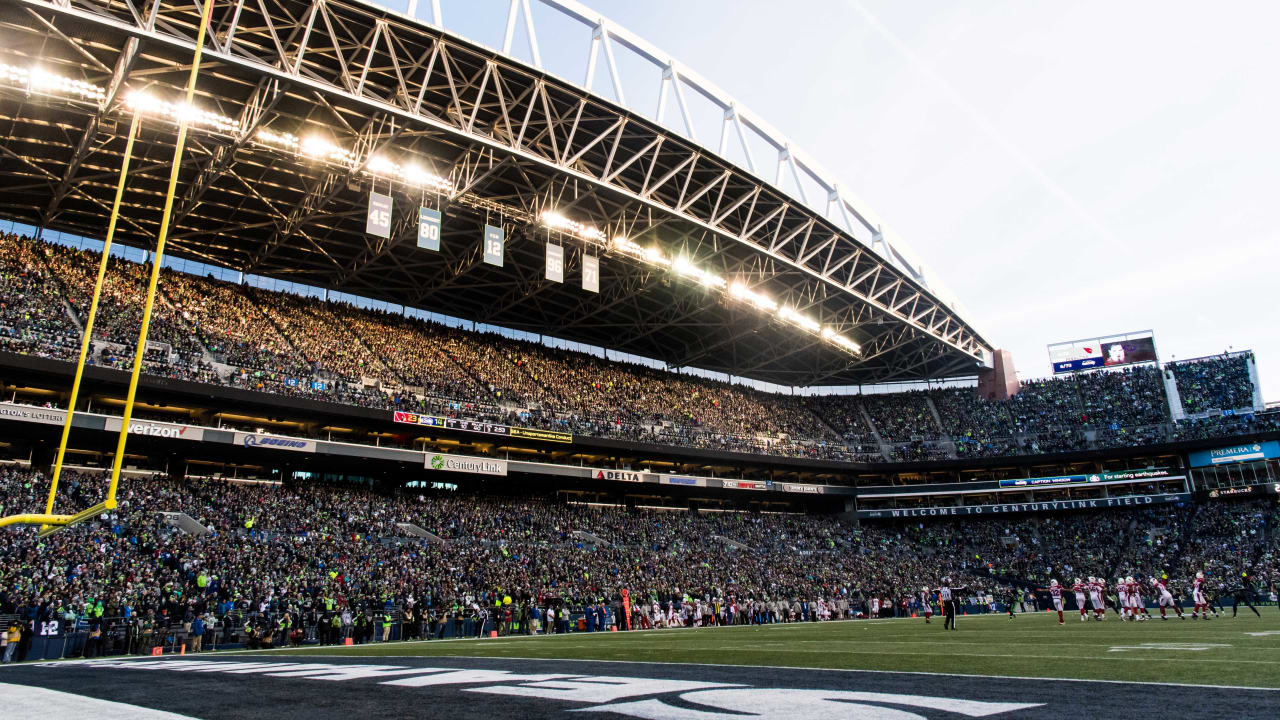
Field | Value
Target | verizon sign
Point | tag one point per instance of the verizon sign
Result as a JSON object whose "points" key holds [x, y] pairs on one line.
{"points": [[152, 428]]}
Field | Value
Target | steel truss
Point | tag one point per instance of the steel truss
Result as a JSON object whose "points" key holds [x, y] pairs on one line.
{"points": [[512, 140]]}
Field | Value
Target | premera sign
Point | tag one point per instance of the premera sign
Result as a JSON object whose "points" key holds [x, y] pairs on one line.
{"points": [[1235, 453], [445, 462]]}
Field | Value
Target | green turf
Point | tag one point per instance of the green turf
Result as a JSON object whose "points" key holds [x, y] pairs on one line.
{"points": [[1032, 645]]}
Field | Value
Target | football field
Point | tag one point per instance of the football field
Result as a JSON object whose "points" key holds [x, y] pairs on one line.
{"points": [[1026, 668], [1243, 651]]}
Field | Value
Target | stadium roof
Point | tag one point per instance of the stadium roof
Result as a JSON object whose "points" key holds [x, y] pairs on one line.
{"points": [[509, 142]]}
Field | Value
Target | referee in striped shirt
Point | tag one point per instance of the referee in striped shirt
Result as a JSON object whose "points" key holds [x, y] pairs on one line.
{"points": [[948, 604]]}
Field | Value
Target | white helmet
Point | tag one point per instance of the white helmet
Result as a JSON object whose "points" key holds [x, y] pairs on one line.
{"points": [[946, 581], [1199, 576], [1077, 581], [1129, 579], [1093, 579], [1054, 583]]}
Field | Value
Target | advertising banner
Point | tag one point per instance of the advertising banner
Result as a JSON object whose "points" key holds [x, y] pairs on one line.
{"points": [[479, 426], [466, 464], [622, 476], [429, 229], [152, 428], [1048, 506], [1235, 453], [274, 442], [28, 413], [1151, 474]]}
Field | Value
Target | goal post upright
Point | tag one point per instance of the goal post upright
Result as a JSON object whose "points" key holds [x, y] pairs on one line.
{"points": [[93, 313], [49, 522]]}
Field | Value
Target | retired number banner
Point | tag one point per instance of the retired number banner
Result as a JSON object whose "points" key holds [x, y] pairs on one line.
{"points": [[379, 220]]}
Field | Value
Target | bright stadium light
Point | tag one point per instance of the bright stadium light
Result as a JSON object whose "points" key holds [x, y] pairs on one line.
{"points": [[683, 266], [318, 147], [757, 299], [556, 221], [148, 104], [42, 82], [797, 318]]}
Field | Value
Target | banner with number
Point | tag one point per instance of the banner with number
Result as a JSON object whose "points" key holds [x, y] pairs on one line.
{"points": [[429, 229], [379, 221], [591, 273], [493, 242], [555, 263]]}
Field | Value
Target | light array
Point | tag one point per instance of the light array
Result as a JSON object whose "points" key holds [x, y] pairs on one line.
{"points": [[318, 147], [684, 267], [651, 255], [151, 105], [556, 221], [38, 80], [408, 173]]}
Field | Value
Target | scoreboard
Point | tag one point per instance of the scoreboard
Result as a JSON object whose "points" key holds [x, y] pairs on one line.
{"points": [[1108, 351]]}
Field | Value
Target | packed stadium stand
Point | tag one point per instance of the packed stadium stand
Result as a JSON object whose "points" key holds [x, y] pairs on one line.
{"points": [[211, 331], [312, 557]]}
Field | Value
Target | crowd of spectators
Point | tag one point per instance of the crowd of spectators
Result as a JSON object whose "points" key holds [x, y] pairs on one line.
{"points": [[1214, 383], [301, 551], [217, 332]]}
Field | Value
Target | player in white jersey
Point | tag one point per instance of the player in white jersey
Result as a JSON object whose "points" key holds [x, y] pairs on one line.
{"points": [[926, 604], [1097, 587], [1055, 592], [1161, 588], [1079, 589], [1198, 596], [1136, 609], [1122, 593]]}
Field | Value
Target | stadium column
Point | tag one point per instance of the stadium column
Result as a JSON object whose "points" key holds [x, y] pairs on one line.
{"points": [[158, 258]]}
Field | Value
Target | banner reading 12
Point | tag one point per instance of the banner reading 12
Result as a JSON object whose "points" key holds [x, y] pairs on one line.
{"points": [[493, 242]]}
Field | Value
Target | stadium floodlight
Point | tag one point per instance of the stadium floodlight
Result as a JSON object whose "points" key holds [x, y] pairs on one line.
{"points": [[756, 299], [556, 221], [42, 82], [318, 147], [148, 104], [797, 318], [683, 266]]}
